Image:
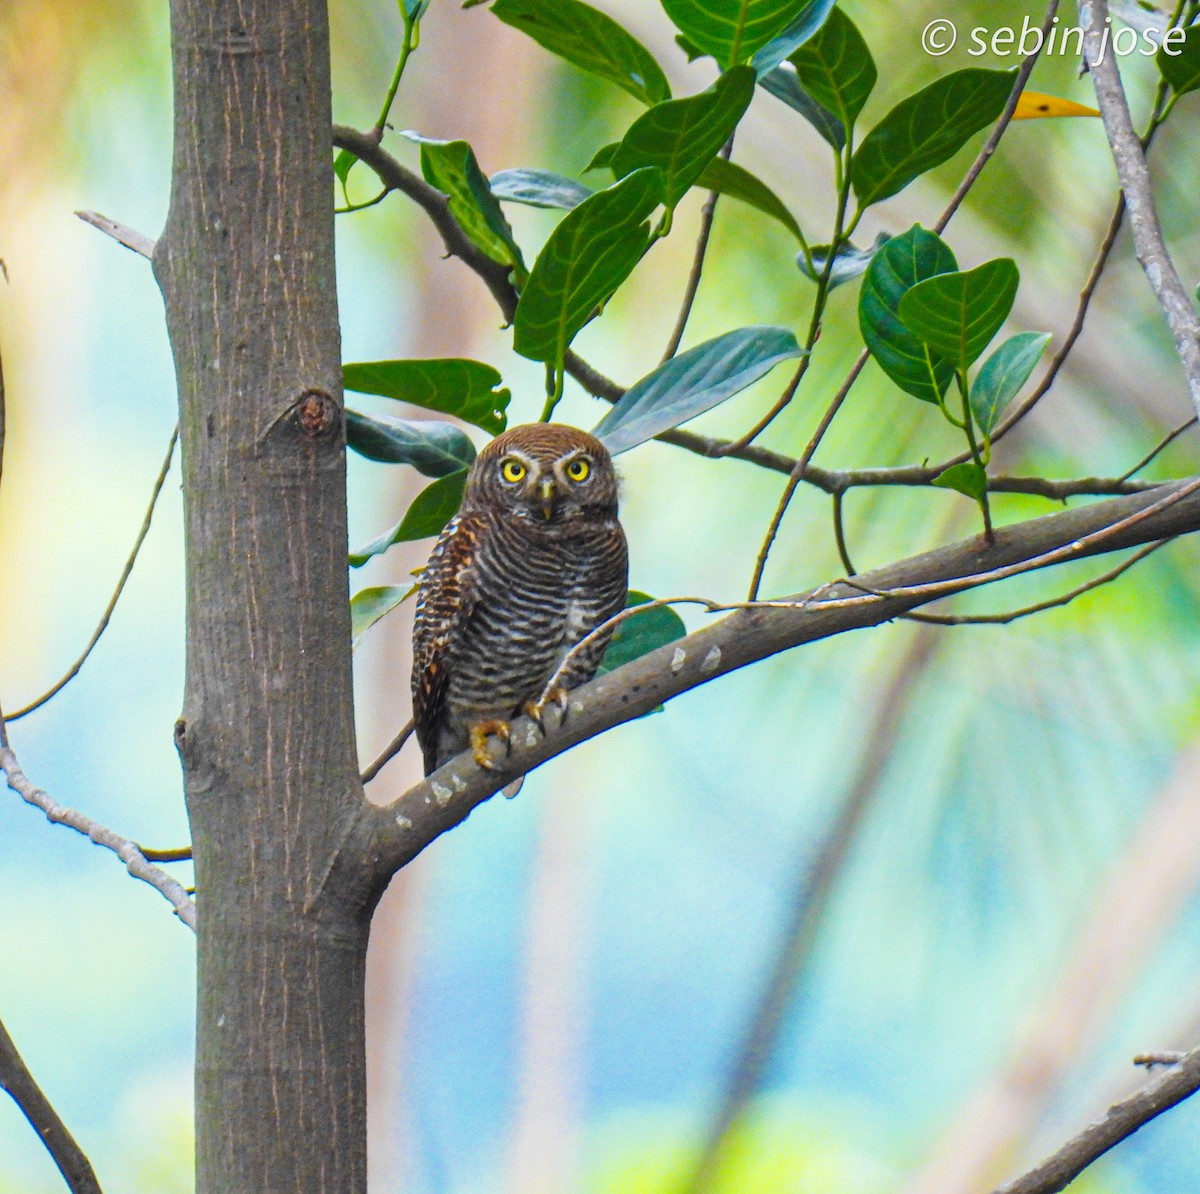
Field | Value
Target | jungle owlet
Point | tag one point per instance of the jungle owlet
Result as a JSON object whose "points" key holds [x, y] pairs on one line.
{"points": [[534, 560]]}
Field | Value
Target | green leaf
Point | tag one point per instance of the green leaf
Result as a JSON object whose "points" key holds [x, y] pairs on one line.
{"points": [[451, 167], [927, 129], [848, 264], [730, 179], [835, 67], [469, 390], [431, 447], [783, 84], [732, 30], [431, 509], [538, 188], [968, 479], [415, 9], [957, 314], [591, 252], [602, 158], [693, 51], [810, 19], [1181, 68], [343, 163], [682, 136], [642, 633], [693, 382], [898, 265], [1002, 375], [590, 40], [367, 606]]}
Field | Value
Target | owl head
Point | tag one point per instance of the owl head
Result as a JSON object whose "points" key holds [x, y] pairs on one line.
{"points": [[548, 475]]}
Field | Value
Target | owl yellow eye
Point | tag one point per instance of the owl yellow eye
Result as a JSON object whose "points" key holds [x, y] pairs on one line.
{"points": [[512, 471], [579, 469]]}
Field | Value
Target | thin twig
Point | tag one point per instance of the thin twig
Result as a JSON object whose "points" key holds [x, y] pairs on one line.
{"points": [[109, 609], [1163, 445], [1119, 1123], [390, 751], [127, 851], [1150, 1060], [1130, 160], [139, 242], [59, 1143]]}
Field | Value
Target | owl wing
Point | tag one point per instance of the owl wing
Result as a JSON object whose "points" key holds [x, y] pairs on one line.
{"points": [[448, 593]]}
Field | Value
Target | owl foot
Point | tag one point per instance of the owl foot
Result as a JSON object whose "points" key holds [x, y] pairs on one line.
{"points": [[480, 732], [536, 710]]}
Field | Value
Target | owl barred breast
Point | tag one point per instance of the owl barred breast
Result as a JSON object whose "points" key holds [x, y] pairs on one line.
{"points": [[534, 560]]}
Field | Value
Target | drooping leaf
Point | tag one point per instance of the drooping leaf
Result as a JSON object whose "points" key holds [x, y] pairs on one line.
{"points": [[470, 390], [849, 263], [731, 179], [591, 252], [957, 314], [806, 23], [783, 84], [343, 163], [966, 478], [431, 447], [927, 129], [1033, 105], [1002, 375], [642, 633], [1179, 63], [682, 136], [431, 509], [538, 188], [451, 167], [590, 40], [732, 30], [836, 69], [898, 265], [693, 382], [367, 606]]}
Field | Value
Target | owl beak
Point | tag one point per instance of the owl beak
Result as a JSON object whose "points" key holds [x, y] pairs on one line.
{"points": [[546, 493]]}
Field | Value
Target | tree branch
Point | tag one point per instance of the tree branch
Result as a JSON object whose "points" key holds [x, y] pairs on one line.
{"points": [[60, 1144], [1120, 1122], [390, 836], [1130, 161], [138, 242]]}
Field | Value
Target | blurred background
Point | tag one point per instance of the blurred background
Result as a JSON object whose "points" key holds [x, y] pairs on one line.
{"points": [[564, 990]]}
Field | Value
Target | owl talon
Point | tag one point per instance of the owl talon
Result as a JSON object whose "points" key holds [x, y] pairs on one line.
{"points": [[536, 710], [480, 732]]}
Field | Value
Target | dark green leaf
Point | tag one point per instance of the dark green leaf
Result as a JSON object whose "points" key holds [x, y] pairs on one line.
{"points": [[849, 263], [343, 163], [431, 509], [732, 30], [968, 479], [682, 136], [783, 84], [957, 314], [591, 252], [692, 50], [470, 390], [901, 263], [836, 68], [367, 606], [1002, 375], [1181, 66], [432, 448], [590, 40], [807, 22], [415, 9], [539, 188], [693, 382], [730, 179], [602, 158], [451, 167], [642, 633], [927, 129]]}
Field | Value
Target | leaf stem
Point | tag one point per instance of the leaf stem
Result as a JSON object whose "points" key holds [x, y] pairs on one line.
{"points": [[411, 38]]}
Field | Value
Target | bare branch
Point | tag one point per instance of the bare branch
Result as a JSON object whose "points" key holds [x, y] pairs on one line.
{"points": [[392, 749], [60, 1144], [1130, 160], [106, 616], [1162, 446], [127, 851], [1119, 1123], [139, 242], [1150, 1060]]}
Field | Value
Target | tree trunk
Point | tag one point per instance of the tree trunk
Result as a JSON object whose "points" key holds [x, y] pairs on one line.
{"points": [[267, 738]]}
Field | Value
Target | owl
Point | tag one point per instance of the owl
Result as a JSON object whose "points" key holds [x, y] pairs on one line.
{"points": [[534, 560]]}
